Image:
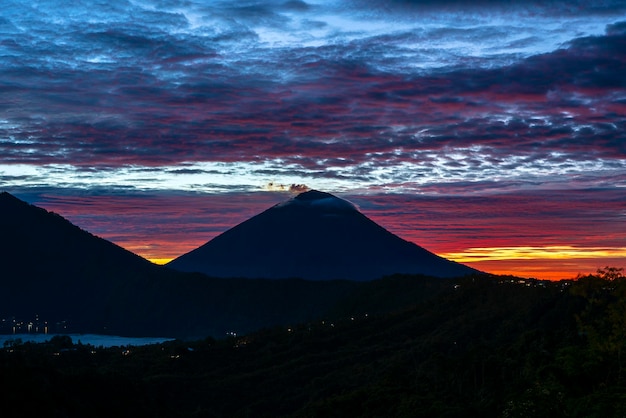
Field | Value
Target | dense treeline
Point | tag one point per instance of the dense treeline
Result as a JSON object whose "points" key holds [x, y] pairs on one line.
{"points": [[481, 346]]}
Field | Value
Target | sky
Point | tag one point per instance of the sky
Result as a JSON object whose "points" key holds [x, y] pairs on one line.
{"points": [[489, 132]]}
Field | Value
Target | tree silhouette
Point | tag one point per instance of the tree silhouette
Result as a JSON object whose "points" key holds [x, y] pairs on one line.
{"points": [[603, 320]]}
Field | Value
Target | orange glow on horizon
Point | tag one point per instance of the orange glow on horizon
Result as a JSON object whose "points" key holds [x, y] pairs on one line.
{"points": [[160, 261], [553, 252], [555, 262], [545, 263]]}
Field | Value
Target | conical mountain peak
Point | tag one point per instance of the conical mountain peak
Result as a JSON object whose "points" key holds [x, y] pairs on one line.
{"points": [[319, 200], [6, 198], [314, 195], [315, 236]]}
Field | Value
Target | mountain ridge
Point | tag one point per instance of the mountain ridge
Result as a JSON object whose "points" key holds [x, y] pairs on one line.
{"points": [[53, 270]]}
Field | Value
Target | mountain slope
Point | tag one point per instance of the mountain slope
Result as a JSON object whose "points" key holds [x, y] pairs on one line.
{"points": [[314, 236], [39, 240], [54, 269]]}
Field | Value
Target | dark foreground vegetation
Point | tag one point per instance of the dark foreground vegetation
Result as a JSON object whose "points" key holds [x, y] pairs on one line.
{"points": [[482, 346]]}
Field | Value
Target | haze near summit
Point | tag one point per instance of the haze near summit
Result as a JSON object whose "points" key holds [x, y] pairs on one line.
{"points": [[492, 134]]}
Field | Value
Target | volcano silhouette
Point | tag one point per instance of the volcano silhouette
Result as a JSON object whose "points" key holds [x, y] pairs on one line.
{"points": [[314, 236]]}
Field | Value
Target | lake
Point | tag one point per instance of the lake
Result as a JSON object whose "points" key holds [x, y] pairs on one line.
{"points": [[96, 340]]}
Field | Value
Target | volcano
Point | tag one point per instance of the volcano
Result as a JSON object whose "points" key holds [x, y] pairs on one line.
{"points": [[313, 236]]}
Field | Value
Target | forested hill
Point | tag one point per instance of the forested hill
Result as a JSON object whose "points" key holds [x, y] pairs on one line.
{"points": [[489, 347]]}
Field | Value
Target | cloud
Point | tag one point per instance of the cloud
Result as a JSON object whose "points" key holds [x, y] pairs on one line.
{"points": [[257, 89], [514, 218], [292, 188], [551, 252], [428, 104], [298, 188], [563, 7]]}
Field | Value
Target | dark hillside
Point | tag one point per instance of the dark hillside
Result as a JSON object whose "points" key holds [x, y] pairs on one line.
{"points": [[61, 271], [497, 346]]}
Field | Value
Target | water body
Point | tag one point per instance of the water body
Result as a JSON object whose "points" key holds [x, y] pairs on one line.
{"points": [[96, 340]]}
